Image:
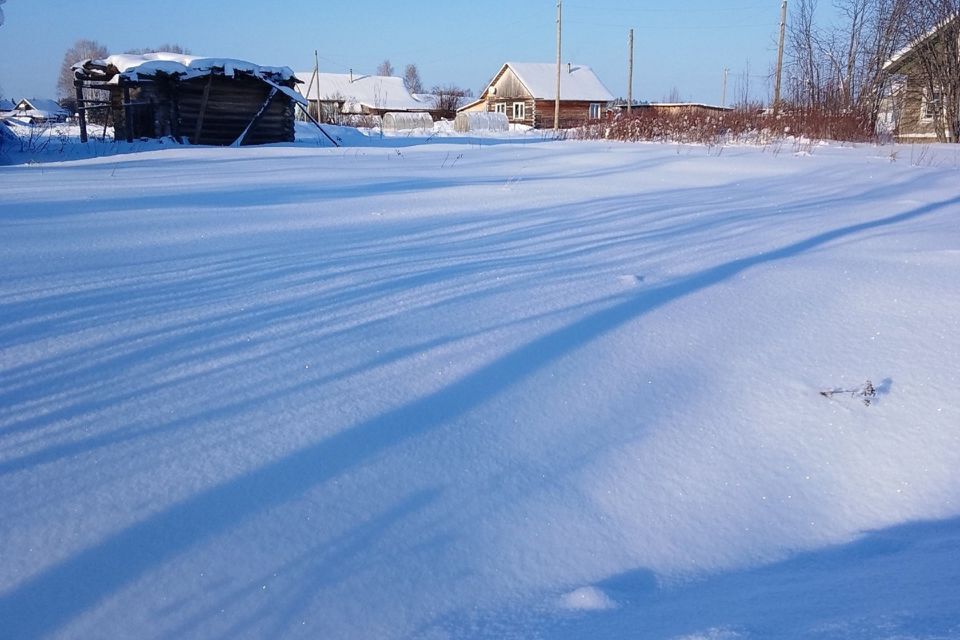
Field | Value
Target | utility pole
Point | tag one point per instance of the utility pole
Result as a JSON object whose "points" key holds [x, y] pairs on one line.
{"points": [[630, 74], [316, 72], [783, 31], [556, 105], [723, 96]]}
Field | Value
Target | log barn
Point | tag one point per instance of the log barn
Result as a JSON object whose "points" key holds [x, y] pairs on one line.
{"points": [[211, 101], [526, 92]]}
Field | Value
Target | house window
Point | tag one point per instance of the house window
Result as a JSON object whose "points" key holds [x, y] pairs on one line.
{"points": [[932, 105], [595, 111], [501, 107], [519, 110]]}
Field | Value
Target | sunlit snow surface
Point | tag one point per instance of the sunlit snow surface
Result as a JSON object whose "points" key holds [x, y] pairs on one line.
{"points": [[478, 388]]}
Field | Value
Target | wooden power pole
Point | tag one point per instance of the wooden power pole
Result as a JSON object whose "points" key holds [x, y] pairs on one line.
{"points": [[630, 74], [783, 31], [316, 74], [723, 95], [556, 104]]}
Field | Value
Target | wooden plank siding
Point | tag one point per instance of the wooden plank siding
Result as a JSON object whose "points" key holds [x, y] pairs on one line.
{"points": [[912, 126], [506, 89], [907, 104], [572, 113]]}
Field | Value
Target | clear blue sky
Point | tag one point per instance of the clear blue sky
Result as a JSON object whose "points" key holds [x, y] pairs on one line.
{"points": [[683, 45]]}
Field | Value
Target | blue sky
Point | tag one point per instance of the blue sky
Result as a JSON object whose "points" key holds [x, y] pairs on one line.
{"points": [[684, 46]]}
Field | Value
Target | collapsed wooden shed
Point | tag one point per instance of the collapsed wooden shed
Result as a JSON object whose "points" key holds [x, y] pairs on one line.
{"points": [[212, 101]]}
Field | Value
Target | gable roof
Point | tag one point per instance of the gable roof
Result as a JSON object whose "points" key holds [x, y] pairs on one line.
{"points": [[900, 59], [577, 81], [40, 108], [359, 91]]}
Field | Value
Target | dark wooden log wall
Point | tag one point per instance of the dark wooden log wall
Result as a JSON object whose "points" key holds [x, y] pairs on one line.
{"points": [[166, 107]]}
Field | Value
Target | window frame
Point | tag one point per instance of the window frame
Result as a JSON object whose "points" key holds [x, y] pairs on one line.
{"points": [[596, 109], [931, 102], [519, 110]]}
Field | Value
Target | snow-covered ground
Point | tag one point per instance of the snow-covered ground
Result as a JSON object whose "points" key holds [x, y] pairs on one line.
{"points": [[481, 388]]}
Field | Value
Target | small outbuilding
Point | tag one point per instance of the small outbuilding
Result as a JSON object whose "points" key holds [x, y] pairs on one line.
{"points": [[526, 93], [402, 121], [476, 121], [213, 101]]}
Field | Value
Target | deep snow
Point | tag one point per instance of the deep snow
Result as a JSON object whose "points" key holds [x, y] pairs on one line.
{"points": [[480, 388]]}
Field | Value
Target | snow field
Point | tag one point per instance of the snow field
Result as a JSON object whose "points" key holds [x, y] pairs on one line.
{"points": [[365, 392]]}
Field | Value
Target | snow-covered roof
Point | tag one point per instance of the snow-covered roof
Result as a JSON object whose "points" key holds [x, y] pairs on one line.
{"points": [[577, 81], [680, 105], [132, 66], [39, 108], [898, 59], [358, 91]]}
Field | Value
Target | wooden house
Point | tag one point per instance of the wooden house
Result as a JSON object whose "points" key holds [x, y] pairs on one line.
{"points": [[916, 105], [338, 97], [526, 92], [38, 111], [211, 101]]}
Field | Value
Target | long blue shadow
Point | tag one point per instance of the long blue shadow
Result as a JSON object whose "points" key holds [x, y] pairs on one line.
{"points": [[901, 582], [51, 599]]}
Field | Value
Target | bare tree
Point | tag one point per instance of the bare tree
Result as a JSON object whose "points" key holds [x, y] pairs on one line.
{"points": [[741, 89], [411, 79], [674, 96], [447, 99], [933, 30], [805, 54], [840, 70], [80, 51], [882, 38], [385, 68], [168, 48]]}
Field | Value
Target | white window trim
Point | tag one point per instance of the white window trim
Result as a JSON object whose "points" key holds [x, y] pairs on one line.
{"points": [[500, 107], [924, 103], [595, 108], [519, 110]]}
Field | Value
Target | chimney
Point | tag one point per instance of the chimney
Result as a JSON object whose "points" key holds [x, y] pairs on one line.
{"points": [[569, 68], [351, 75]]}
